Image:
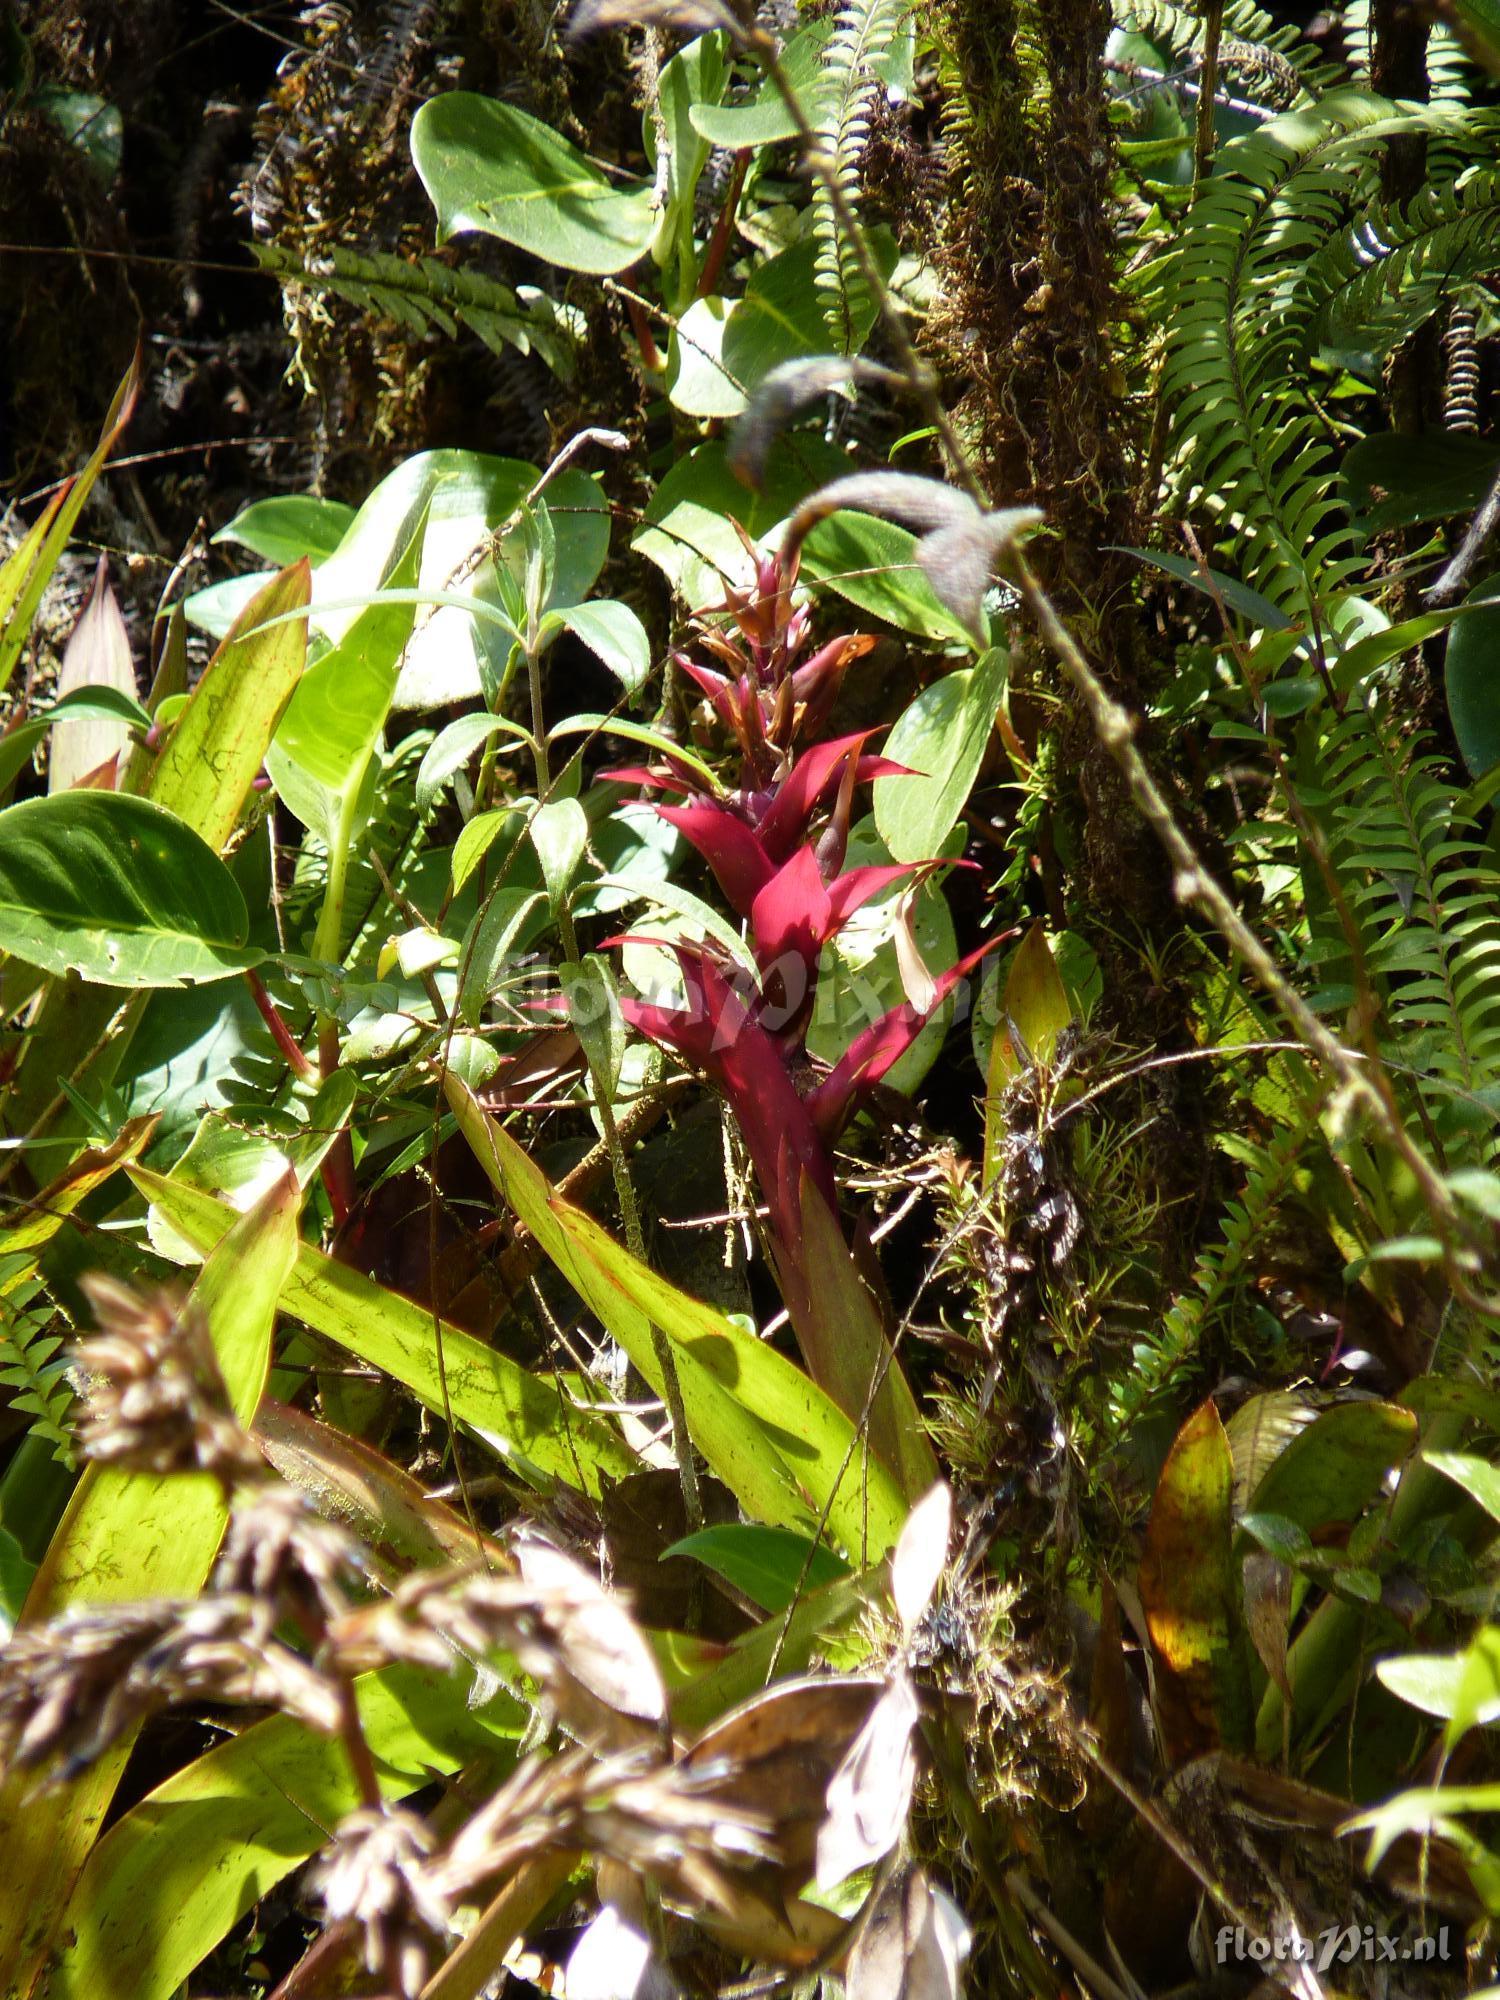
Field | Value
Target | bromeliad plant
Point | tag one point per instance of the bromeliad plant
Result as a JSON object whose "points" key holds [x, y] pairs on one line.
{"points": [[788, 882]]}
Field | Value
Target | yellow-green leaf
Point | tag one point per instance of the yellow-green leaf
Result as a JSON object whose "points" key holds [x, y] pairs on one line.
{"points": [[523, 1416], [780, 1445], [128, 1535], [211, 759]]}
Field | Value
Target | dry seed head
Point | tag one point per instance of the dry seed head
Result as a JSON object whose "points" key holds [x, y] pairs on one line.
{"points": [[656, 1820], [279, 1550], [563, 1628], [374, 1875], [70, 1688], [154, 1400]]}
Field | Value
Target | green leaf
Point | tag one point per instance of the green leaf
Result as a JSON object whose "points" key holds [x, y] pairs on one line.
{"points": [[777, 1442], [763, 118], [1427, 476], [722, 349], [1462, 1689], [119, 891], [1478, 1477], [1279, 1536], [92, 704], [524, 1417], [873, 564], [615, 635], [489, 167], [469, 496], [559, 832], [480, 835], [594, 1015], [694, 78], [130, 1535], [1036, 1006], [452, 748], [687, 529], [942, 737], [1334, 1468], [336, 715], [171, 1879], [218, 607], [1213, 583], [1469, 672], [769, 1565], [840, 1332], [499, 932], [1189, 1592], [219, 743], [27, 570], [288, 527], [637, 732]]}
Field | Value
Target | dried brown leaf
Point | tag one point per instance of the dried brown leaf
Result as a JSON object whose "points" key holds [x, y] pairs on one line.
{"points": [[870, 1794], [776, 1756], [600, 1647], [913, 1946], [1268, 1613]]}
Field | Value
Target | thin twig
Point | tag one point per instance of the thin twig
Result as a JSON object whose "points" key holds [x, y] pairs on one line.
{"points": [[1451, 584]]}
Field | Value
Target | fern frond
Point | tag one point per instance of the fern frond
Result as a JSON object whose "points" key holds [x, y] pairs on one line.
{"points": [[426, 296], [1378, 280], [1451, 74], [1271, 65], [861, 37], [1421, 889], [1250, 443], [34, 1370], [1224, 1267]]}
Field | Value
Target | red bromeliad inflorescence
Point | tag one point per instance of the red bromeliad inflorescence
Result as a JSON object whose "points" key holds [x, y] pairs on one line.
{"points": [[789, 883]]}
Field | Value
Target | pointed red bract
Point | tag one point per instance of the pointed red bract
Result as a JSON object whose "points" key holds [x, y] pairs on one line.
{"points": [[741, 865], [876, 1048]]}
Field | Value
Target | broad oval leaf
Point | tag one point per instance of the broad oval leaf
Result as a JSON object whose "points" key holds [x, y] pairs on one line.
{"points": [[1469, 671], [288, 526], [487, 166], [765, 119], [614, 634], [723, 349], [119, 891], [942, 738]]}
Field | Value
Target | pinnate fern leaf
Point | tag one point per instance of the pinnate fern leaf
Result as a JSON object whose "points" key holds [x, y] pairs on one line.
{"points": [[425, 295], [850, 78]]}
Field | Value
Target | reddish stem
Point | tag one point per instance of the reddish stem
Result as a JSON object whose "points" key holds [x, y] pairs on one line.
{"points": [[337, 1171], [718, 244], [645, 339], [281, 1034]]}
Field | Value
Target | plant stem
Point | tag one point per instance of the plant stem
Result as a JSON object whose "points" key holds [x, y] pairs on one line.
{"points": [[467, 1970], [682, 1443], [281, 1034], [1208, 82]]}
